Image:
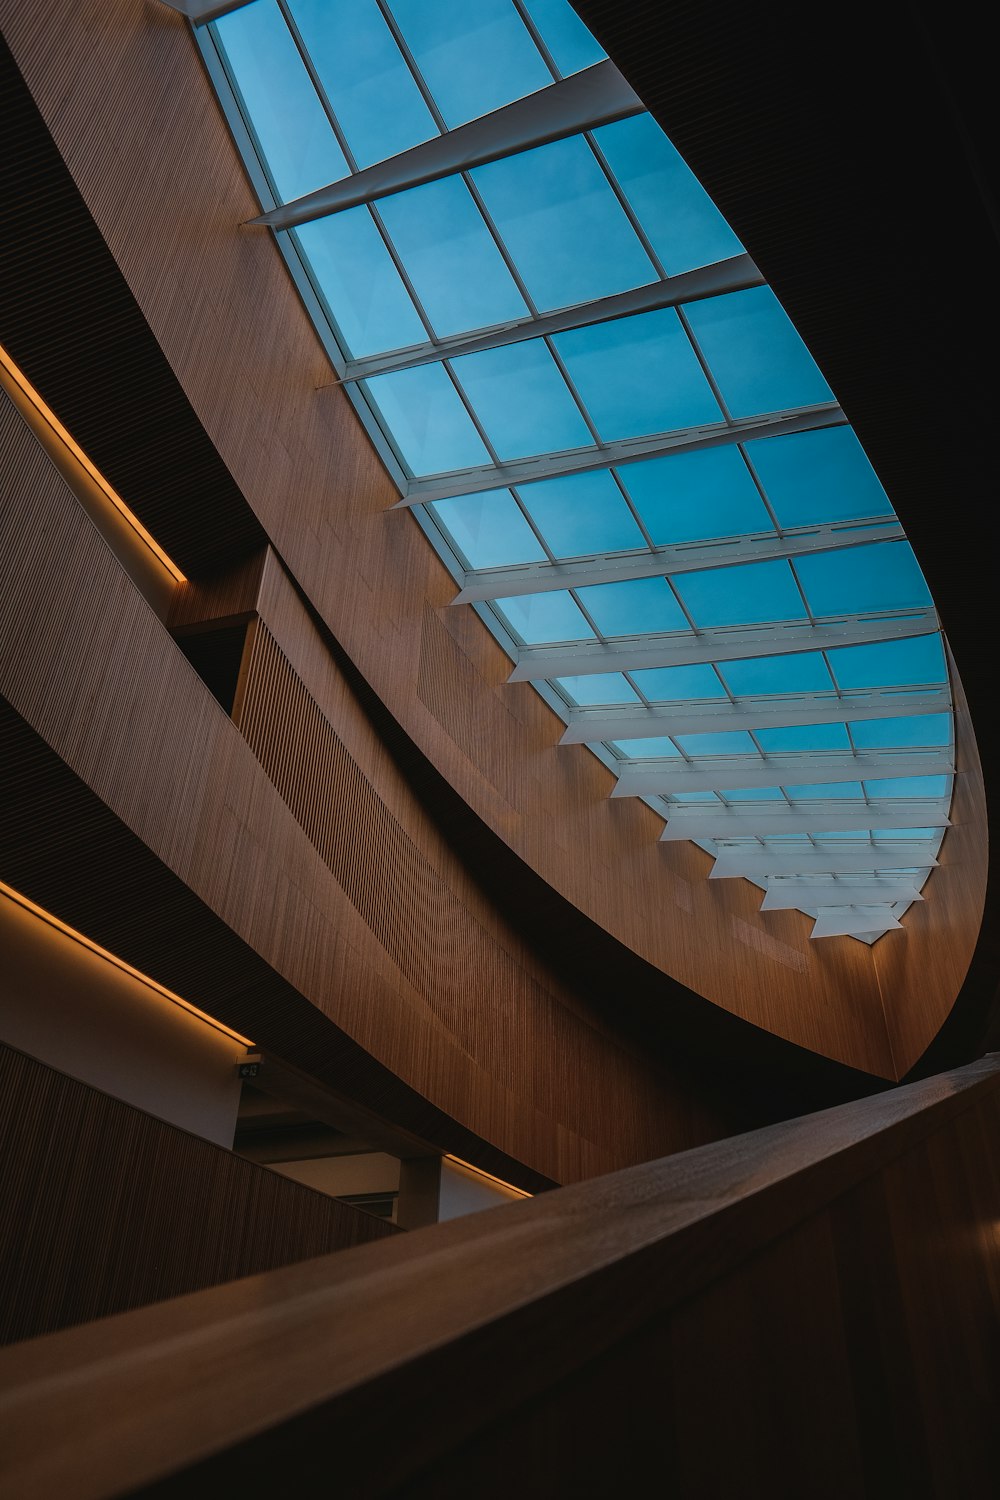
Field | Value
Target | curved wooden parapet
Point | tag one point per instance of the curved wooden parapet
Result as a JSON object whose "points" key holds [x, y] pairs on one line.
{"points": [[808, 1309]]}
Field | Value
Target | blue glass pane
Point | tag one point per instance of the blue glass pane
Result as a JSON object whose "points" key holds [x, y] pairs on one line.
{"points": [[450, 256], [427, 420], [291, 124], [804, 737], [893, 835], [909, 786], [655, 749], [598, 691], [917, 660], [566, 230], [542, 618], [758, 359], [633, 608], [887, 734], [863, 579], [355, 274], [814, 477], [581, 514], [743, 595], [673, 684], [570, 43], [474, 58], [754, 794], [638, 375], [690, 497], [522, 400], [799, 672], [488, 530], [360, 67], [829, 791], [732, 742], [683, 797], [683, 224]]}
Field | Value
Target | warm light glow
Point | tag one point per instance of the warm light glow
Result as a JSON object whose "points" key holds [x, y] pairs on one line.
{"points": [[487, 1176], [76, 452], [119, 963]]}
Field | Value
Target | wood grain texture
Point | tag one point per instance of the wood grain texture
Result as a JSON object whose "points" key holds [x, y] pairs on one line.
{"points": [[221, 307], [787, 1313], [107, 1208]]}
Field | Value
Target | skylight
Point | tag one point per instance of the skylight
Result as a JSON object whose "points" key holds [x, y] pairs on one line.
{"points": [[608, 426]]}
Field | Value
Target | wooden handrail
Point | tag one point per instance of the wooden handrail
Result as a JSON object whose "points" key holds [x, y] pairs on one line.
{"points": [[437, 1333]]}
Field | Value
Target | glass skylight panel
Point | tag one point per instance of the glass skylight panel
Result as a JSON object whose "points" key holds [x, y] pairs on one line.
{"points": [[754, 353], [683, 797], [803, 737], [828, 791], [638, 375], [360, 67], [568, 234], [570, 43], [812, 478], [545, 619], [863, 580], [450, 256], [729, 742], [289, 120], [676, 684], [582, 514], [933, 730], [796, 672], [693, 497], [660, 748], [754, 794], [473, 58], [521, 399], [913, 788], [682, 223], [430, 426], [601, 690], [488, 530], [915, 661], [354, 274], [745, 594], [636, 607]]}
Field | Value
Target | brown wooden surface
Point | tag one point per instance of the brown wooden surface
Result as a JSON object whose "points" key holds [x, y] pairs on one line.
{"points": [[810, 1309], [222, 308], [106, 1208]]}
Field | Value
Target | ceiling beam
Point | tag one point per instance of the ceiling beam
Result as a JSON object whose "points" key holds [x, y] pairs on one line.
{"points": [[685, 557], [597, 95], [592, 725], [793, 895], [755, 819], [743, 772], [755, 863], [855, 921], [204, 10], [419, 491], [719, 643], [736, 274]]}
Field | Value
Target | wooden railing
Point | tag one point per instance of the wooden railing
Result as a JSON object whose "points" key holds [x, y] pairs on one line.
{"points": [[808, 1310]]}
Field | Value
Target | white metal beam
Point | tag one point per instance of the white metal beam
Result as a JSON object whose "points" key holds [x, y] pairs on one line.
{"points": [[737, 274], [615, 455], [739, 772], [755, 863], [589, 726], [855, 921], [595, 96], [793, 895], [756, 819], [666, 562], [204, 10], [721, 643]]}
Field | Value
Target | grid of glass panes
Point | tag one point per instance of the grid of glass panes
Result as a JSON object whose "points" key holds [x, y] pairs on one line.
{"points": [[580, 219]]}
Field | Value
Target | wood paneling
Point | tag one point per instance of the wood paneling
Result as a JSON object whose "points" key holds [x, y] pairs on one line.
{"points": [[223, 310], [107, 1208], [808, 1310]]}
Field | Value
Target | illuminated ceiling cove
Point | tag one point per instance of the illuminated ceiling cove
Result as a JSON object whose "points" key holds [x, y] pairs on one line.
{"points": [[607, 426]]}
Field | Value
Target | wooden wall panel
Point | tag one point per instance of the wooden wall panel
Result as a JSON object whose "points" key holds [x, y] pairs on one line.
{"points": [[107, 1208], [807, 1310], [232, 327]]}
